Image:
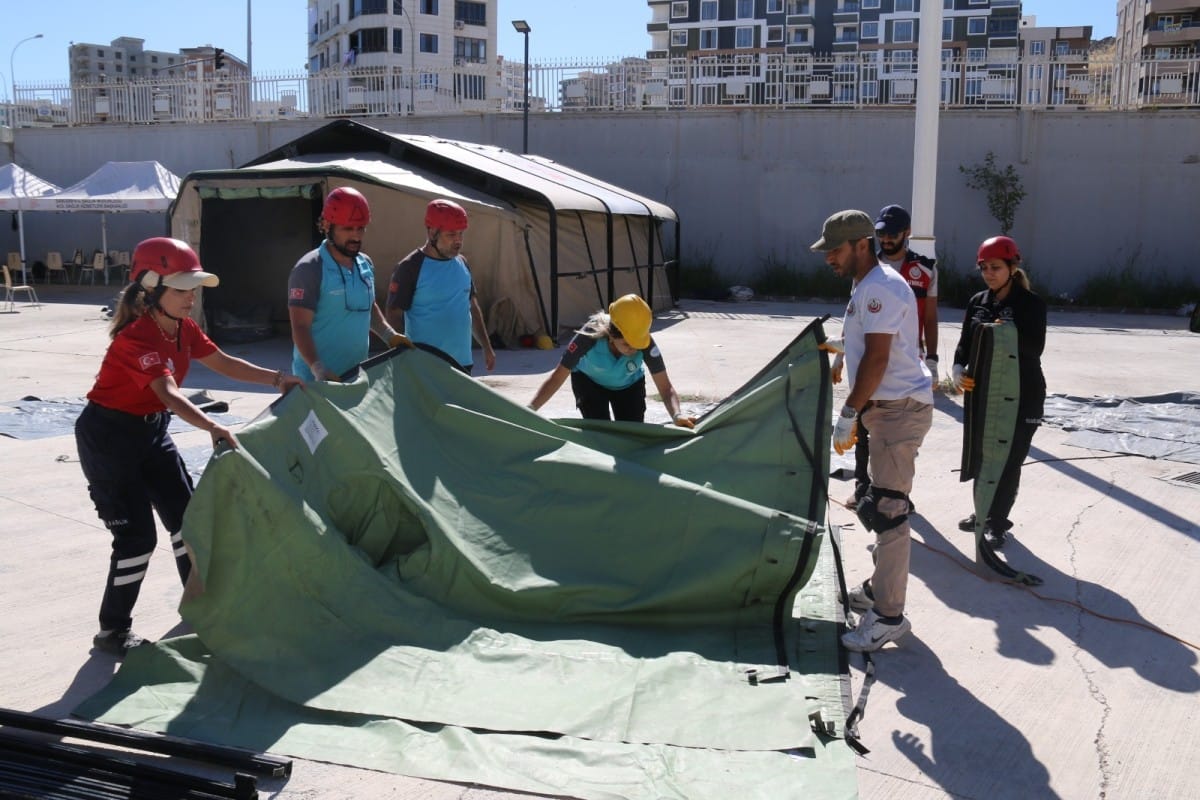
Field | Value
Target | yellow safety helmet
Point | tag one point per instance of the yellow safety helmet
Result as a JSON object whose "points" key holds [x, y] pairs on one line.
{"points": [[631, 317]]}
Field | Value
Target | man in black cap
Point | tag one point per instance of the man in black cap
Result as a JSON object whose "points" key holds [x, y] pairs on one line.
{"points": [[890, 390], [893, 226]]}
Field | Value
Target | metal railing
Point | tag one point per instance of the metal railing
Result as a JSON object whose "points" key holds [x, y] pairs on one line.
{"points": [[702, 80]]}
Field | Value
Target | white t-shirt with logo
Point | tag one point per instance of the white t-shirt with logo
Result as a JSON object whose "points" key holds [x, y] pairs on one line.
{"points": [[883, 302]]}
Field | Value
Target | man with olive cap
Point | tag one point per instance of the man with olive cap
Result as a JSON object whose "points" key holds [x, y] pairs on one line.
{"points": [[890, 389]]}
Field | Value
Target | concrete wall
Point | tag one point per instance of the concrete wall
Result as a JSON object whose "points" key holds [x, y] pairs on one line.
{"points": [[1104, 189]]}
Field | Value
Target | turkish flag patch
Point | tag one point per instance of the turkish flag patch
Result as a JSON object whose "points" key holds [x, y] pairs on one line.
{"points": [[149, 360], [874, 306], [296, 293]]}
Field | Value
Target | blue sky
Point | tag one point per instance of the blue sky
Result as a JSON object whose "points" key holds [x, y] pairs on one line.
{"points": [[562, 29]]}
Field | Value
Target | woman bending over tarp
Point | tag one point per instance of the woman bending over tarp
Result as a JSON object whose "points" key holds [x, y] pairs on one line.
{"points": [[1007, 299], [605, 362]]}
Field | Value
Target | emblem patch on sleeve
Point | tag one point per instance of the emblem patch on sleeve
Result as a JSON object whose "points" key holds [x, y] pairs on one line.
{"points": [[149, 360]]}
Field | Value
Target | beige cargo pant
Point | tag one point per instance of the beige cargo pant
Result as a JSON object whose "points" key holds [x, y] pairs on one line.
{"points": [[897, 429]]}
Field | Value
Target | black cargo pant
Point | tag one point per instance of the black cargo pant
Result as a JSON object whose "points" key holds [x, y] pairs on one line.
{"points": [[593, 400], [133, 469]]}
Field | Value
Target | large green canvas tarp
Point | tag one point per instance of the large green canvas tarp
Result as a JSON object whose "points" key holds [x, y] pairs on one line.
{"points": [[410, 572]]}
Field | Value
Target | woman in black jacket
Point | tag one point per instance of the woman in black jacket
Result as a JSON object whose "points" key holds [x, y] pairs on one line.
{"points": [[1007, 299]]}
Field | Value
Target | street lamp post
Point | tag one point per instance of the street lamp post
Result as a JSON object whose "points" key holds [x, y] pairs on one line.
{"points": [[412, 62], [12, 73], [523, 28]]}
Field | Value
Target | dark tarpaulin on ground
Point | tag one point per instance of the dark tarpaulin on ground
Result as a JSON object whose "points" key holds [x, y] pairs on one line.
{"points": [[1163, 426]]}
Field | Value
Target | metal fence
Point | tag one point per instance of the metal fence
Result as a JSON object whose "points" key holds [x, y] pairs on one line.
{"points": [[712, 79]]}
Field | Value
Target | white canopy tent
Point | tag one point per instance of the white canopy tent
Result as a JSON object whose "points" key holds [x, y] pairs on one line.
{"points": [[17, 186], [118, 187]]}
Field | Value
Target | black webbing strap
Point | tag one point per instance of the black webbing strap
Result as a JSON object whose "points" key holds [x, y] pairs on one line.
{"points": [[860, 707]]}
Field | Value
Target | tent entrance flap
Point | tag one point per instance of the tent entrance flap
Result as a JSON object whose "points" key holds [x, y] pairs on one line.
{"points": [[306, 191]]}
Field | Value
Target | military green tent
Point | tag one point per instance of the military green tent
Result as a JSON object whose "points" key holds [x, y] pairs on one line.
{"points": [[409, 572]]}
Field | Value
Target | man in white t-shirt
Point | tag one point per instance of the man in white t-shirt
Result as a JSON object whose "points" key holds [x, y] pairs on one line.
{"points": [[890, 388]]}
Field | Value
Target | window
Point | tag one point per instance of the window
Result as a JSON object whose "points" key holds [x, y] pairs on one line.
{"points": [[708, 9], [870, 90], [976, 26], [708, 39], [947, 54], [369, 40], [904, 5], [679, 10], [397, 40], [744, 37], [774, 6], [745, 9], [948, 5], [428, 81], [470, 13], [775, 33], [678, 38], [902, 61], [974, 87], [1037, 48], [978, 2], [1062, 48], [361, 7], [976, 54], [947, 30], [430, 7], [902, 30], [870, 3], [868, 30], [99, 52], [397, 7], [429, 43], [470, 50]]}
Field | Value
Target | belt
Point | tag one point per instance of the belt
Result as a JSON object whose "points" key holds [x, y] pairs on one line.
{"points": [[124, 416]]}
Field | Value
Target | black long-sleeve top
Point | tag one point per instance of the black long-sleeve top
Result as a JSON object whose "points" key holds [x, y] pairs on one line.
{"points": [[1027, 311]]}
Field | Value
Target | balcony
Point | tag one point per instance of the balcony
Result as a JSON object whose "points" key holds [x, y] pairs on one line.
{"points": [[1177, 34], [846, 11], [800, 11]]}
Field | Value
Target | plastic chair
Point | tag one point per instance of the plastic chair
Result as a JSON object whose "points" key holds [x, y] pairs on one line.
{"points": [[54, 266], [11, 291], [15, 264], [97, 265], [123, 264]]}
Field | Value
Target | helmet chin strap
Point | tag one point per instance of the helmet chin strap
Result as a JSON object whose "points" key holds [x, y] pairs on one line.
{"points": [[433, 245]]}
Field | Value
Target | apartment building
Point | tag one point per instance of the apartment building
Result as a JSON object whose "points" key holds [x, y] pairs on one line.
{"points": [[398, 56], [123, 81], [1165, 36], [846, 33], [1056, 65]]}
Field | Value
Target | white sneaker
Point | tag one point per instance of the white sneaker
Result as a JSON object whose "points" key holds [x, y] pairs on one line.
{"points": [[860, 598], [872, 633]]}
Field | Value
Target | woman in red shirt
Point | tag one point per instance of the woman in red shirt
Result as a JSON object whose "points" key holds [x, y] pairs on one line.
{"points": [[128, 457]]}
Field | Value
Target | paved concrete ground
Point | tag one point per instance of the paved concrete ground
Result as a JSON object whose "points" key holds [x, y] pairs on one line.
{"points": [[999, 692]]}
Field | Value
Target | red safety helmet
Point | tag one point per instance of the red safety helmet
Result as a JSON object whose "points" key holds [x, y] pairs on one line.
{"points": [[162, 261], [445, 215], [1000, 247], [346, 207]]}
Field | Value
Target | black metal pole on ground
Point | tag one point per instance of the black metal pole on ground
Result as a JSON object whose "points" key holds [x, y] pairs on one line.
{"points": [[233, 757]]}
